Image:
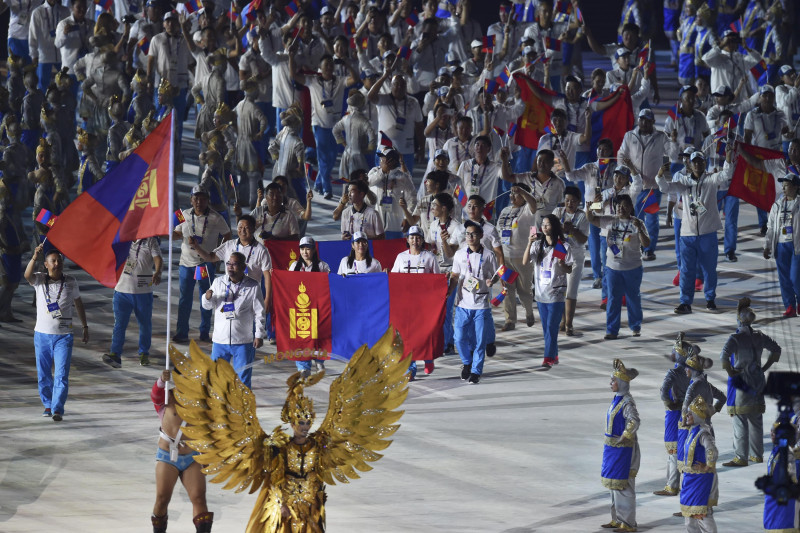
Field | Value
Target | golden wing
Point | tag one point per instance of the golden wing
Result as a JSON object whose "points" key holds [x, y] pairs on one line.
{"points": [[362, 409], [220, 413]]}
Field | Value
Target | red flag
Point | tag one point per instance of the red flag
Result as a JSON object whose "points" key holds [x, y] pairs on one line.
{"points": [[422, 337], [387, 250], [284, 253], [131, 202], [536, 116], [614, 121], [302, 312], [754, 184]]}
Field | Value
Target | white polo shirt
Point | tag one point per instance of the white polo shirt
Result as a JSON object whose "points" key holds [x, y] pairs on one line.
{"points": [[137, 276], [64, 292], [480, 266], [257, 257]]}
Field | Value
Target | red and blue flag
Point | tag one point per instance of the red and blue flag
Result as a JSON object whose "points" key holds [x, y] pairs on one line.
{"points": [[759, 69], [46, 218], [193, 6], [200, 272], [615, 121], [559, 250], [673, 111], [130, 202], [404, 52], [460, 195], [413, 19], [504, 76], [291, 8], [497, 300], [488, 43], [144, 44], [250, 11], [506, 274]]}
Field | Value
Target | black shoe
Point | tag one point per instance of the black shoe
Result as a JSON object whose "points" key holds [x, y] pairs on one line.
{"points": [[112, 360], [328, 196], [731, 257], [683, 309], [491, 349], [648, 256], [610, 337], [547, 365], [597, 283], [465, 372], [710, 305], [180, 339], [763, 230], [57, 417], [474, 379], [205, 337], [449, 349]]}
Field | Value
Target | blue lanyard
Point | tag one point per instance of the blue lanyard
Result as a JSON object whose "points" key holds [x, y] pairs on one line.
{"points": [[480, 262]]}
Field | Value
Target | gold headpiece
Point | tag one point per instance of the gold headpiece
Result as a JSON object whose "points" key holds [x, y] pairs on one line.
{"points": [[165, 88], [15, 61], [133, 136], [147, 122], [298, 406], [698, 362], [83, 137], [47, 114], [29, 69], [139, 76], [43, 148], [625, 374], [217, 57], [700, 407], [704, 12], [222, 109]]}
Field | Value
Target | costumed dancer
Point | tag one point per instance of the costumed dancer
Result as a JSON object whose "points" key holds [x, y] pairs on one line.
{"points": [[174, 460], [781, 518], [252, 125], [209, 93], [699, 487], [673, 392], [354, 131], [291, 472], [621, 454], [741, 359], [141, 99], [116, 132], [288, 151], [31, 107], [89, 170]]}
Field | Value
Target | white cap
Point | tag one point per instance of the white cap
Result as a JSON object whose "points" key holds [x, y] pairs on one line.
{"points": [[306, 241], [324, 10], [475, 43], [415, 230], [199, 189], [358, 236]]}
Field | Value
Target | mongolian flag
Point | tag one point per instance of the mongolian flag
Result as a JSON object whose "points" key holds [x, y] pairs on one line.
{"points": [[615, 121], [385, 140], [130, 202], [488, 44], [759, 69], [602, 165], [104, 5], [673, 112], [404, 52], [144, 44], [512, 129], [733, 122], [364, 42], [193, 6], [506, 274], [291, 8], [650, 204], [736, 25], [536, 115], [490, 86], [497, 300], [349, 27], [552, 44], [250, 10], [413, 19], [562, 11], [200, 272], [498, 131], [311, 174], [46, 218], [488, 210], [233, 13], [320, 311], [559, 250], [754, 183], [504, 76], [460, 195], [645, 57], [178, 218]]}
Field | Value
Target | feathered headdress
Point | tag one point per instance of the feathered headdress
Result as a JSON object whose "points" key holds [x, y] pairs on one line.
{"points": [[298, 406]]}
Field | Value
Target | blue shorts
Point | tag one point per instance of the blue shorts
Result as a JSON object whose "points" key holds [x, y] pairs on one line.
{"points": [[184, 461]]}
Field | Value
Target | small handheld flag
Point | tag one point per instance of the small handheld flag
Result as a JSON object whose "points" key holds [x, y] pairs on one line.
{"points": [[552, 44], [105, 5], [504, 76], [404, 52], [497, 300], [46, 218], [736, 25], [413, 19], [488, 44], [559, 251], [498, 131], [291, 8], [673, 112], [349, 27], [385, 140], [512, 129], [488, 210], [311, 174], [644, 55], [193, 6], [490, 86], [650, 205], [179, 216], [144, 44], [506, 274], [758, 70], [563, 11], [200, 272], [460, 195]]}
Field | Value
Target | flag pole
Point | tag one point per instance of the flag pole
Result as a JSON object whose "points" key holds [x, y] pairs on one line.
{"points": [[170, 203]]}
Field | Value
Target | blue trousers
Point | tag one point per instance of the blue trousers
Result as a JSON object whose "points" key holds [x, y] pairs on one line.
{"points": [[53, 352], [730, 206], [187, 283], [594, 251], [550, 314], [45, 73], [702, 250], [239, 356], [676, 226], [471, 331], [762, 217], [788, 273], [625, 283], [180, 107], [650, 219], [326, 157], [603, 256], [19, 47], [448, 319], [142, 307]]}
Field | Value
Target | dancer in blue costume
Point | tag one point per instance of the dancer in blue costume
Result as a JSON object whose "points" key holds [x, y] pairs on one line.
{"points": [[698, 493], [621, 451]]}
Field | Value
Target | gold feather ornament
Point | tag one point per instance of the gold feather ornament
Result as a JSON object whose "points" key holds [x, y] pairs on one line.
{"points": [[291, 472]]}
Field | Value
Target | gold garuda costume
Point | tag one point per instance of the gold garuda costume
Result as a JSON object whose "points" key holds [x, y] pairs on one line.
{"points": [[221, 416]]}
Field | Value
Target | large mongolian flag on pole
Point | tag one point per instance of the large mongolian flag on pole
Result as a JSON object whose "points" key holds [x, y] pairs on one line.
{"points": [[753, 177], [131, 202], [613, 122], [536, 116]]}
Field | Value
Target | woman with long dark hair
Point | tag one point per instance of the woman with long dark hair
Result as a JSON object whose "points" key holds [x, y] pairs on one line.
{"points": [[552, 262], [309, 258]]}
